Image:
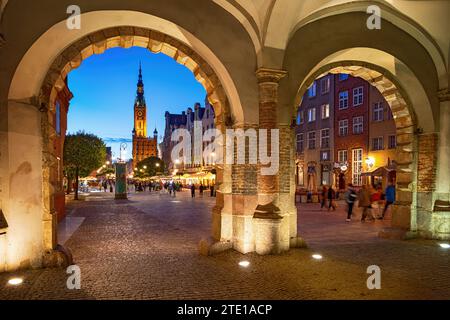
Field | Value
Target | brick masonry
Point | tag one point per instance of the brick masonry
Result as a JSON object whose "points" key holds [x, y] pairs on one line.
{"points": [[427, 162]]}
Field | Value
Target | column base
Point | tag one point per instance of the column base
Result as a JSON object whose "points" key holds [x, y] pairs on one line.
{"points": [[209, 247], [57, 258], [121, 196], [297, 242]]}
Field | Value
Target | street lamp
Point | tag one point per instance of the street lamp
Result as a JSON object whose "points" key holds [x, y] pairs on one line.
{"points": [[145, 167], [370, 161], [157, 164]]}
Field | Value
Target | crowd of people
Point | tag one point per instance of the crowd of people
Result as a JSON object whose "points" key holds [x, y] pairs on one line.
{"points": [[171, 187], [372, 200]]}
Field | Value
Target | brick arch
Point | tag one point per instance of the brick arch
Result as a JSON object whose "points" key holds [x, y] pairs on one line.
{"points": [[126, 37], [97, 43], [406, 128]]}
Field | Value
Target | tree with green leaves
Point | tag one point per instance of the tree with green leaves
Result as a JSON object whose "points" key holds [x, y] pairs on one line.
{"points": [[83, 153], [149, 167]]}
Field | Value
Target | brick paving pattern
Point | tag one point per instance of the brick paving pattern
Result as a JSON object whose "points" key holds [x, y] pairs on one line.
{"points": [[147, 248]]}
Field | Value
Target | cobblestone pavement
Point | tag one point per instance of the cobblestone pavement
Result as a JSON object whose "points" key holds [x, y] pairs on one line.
{"points": [[147, 248]]}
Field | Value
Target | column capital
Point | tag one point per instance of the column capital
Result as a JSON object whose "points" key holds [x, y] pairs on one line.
{"points": [[444, 95], [270, 75]]}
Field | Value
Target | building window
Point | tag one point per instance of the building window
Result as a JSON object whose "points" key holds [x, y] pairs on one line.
{"points": [[312, 140], [325, 138], [343, 76], [325, 111], [325, 155], [58, 118], [358, 96], [357, 167], [392, 143], [300, 142], [377, 143], [343, 127], [312, 115], [358, 126], [342, 156], [299, 117], [312, 90], [325, 85], [378, 111], [343, 100]]}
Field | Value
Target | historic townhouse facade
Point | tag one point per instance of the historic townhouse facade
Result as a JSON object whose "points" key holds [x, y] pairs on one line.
{"points": [[314, 135], [351, 135]]}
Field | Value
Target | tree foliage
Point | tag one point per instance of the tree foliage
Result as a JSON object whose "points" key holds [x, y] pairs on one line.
{"points": [[150, 166], [83, 153]]}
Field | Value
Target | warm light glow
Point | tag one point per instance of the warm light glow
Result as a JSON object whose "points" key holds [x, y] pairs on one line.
{"points": [[244, 264], [15, 281], [317, 256], [370, 161], [177, 161], [135, 169], [157, 164], [104, 166], [444, 245], [145, 167], [107, 162]]}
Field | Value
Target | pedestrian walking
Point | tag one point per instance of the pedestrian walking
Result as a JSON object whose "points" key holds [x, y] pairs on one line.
{"points": [[364, 202], [200, 189], [211, 191], [350, 198], [193, 191], [323, 197], [390, 197], [331, 199]]}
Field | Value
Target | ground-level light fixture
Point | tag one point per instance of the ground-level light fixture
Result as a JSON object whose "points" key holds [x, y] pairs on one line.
{"points": [[317, 256], [444, 245], [244, 263], [15, 281]]}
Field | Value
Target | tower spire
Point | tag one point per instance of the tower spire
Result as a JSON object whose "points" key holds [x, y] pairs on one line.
{"points": [[140, 100]]}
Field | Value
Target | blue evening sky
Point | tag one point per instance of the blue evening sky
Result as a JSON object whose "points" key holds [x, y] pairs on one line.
{"points": [[104, 88]]}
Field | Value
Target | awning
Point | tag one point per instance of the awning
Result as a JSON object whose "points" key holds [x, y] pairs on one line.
{"points": [[380, 171]]}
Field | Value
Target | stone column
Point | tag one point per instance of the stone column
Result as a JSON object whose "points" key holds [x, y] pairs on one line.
{"points": [[271, 224], [440, 222], [443, 181], [22, 191]]}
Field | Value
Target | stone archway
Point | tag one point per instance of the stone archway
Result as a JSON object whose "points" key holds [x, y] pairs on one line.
{"points": [[413, 147], [97, 43]]}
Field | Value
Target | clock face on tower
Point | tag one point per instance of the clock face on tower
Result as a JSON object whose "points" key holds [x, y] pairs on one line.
{"points": [[140, 114]]}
